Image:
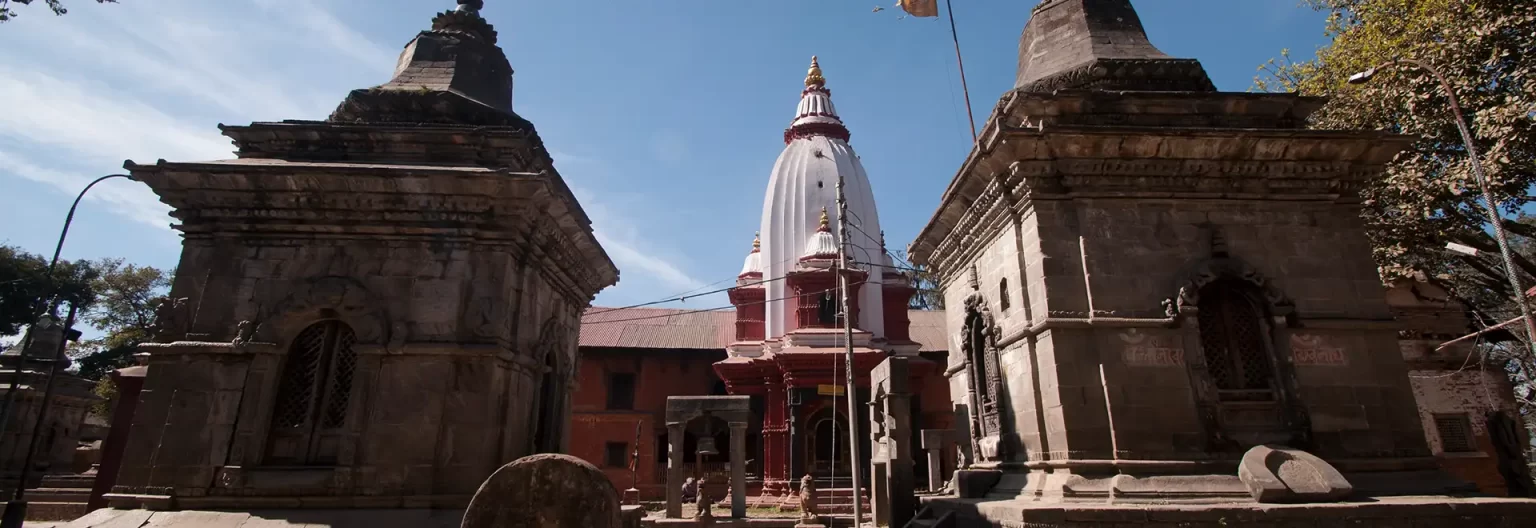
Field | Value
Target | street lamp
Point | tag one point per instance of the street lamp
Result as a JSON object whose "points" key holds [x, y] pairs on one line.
{"points": [[1482, 183], [16, 508]]}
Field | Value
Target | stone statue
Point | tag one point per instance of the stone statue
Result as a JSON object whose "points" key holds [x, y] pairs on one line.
{"points": [[244, 331], [703, 501], [808, 513]]}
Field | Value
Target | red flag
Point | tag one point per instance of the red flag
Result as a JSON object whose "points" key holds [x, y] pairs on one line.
{"points": [[920, 8]]}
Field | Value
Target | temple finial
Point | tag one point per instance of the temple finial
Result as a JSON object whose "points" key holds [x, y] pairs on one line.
{"points": [[471, 6], [813, 76], [824, 223], [757, 242]]}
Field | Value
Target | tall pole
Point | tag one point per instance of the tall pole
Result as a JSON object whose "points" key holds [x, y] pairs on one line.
{"points": [[1482, 182], [848, 387], [16, 509], [48, 287], [955, 36]]}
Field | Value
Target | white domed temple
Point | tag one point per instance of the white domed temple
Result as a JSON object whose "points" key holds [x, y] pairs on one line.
{"points": [[789, 344]]}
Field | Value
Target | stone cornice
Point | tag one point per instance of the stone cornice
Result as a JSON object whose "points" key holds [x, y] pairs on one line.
{"points": [[1066, 162], [535, 213]]}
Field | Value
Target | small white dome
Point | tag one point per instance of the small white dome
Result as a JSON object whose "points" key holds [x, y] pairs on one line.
{"points": [[753, 267], [821, 245]]}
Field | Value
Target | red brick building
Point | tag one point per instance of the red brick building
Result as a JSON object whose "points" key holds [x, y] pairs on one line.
{"points": [[632, 359]]}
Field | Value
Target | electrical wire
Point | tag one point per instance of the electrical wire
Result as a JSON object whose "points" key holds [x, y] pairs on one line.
{"points": [[702, 310]]}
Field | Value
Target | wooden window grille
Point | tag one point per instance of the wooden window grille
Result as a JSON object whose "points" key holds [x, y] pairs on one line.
{"points": [[313, 395], [616, 454], [1233, 335], [1002, 294], [1455, 432], [621, 392]]}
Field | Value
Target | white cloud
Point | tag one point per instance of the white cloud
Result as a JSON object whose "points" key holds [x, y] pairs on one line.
{"points": [[639, 262], [318, 22], [132, 200]]}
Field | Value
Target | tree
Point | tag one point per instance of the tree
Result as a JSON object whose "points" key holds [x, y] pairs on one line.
{"points": [[6, 13], [127, 298], [928, 295], [1429, 197], [24, 285]]}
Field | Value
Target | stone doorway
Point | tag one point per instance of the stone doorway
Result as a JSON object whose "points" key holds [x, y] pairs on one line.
{"points": [[826, 445]]}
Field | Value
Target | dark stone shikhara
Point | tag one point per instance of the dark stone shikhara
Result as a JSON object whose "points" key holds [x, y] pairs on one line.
{"points": [[1191, 279], [381, 308]]}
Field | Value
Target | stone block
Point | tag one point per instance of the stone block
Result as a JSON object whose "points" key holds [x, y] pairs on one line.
{"points": [[1279, 474], [547, 490], [975, 483]]}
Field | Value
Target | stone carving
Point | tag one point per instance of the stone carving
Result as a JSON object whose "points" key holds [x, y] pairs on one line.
{"points": [[170, 320], [1144, 350], [984, 373], [1280, 474], [546, 491], [244, 331], [893, 484], [348, 299], [808, 513], [1315, 350]]}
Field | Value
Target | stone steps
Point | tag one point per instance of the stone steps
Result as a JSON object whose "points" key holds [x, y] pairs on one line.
{"points": [[59, 498]]}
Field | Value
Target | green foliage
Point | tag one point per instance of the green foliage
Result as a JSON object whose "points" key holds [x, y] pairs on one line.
{"points": [[127, 298], [107, 391], [57, 6], [928, 296], [1487, 51], [23, 285]]}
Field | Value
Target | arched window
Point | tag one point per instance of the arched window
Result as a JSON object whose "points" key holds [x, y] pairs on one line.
{"points": [[313, 395], [1002, 294], [826, 310], [1234, 336]]}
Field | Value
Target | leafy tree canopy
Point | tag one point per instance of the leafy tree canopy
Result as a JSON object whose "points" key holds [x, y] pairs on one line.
{"points": [[127, 297], [23, 285], [1429, 196], [57, 6]]}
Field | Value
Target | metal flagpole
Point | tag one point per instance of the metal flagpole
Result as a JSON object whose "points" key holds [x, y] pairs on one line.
{"points": [[848, 389], [953, 35]]}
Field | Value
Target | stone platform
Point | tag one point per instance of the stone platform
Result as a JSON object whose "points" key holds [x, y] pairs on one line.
{"points": [[422, 518], [1390, 512]]}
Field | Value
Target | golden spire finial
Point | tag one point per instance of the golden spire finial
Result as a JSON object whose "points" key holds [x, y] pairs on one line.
{"points": [[824, 226], [813, 76], [757, 242]]}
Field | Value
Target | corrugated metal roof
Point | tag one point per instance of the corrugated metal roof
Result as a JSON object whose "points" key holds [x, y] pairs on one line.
{"points": [[671, 328]]}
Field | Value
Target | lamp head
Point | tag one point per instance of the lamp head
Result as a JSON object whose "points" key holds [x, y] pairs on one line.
{"points": [[1362, 77]]}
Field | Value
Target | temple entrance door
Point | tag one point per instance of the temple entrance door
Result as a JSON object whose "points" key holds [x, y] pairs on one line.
{"points": [[826, 445], [546, 437]]}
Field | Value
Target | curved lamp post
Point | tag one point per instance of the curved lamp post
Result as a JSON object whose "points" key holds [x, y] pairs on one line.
{"points": [[1482, 182], [16, 508]]}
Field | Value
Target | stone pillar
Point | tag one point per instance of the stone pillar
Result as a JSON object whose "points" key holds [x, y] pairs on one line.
{"points": [[738, 469], [879, 490], [891, 408], [933, 443], [674, 470]]}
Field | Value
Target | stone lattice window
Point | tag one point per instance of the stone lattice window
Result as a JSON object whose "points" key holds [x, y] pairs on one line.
{"points": [[1455, 432], [1233, 334], [313, 395]]}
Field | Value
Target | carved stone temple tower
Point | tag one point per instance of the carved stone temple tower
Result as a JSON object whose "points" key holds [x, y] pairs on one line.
{"points": [[372, 311], [1145, 277]]}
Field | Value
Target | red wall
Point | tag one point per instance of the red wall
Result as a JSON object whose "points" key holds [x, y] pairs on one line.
{"points": [[658, 374]]}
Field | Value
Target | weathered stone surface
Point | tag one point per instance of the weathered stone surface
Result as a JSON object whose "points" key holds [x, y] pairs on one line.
{"points": [[1281, 474], [975, 483], [545, 491]]}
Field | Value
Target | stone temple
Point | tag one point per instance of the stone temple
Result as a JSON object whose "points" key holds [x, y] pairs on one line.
{"points": [[1147, 277], [377, 310]]}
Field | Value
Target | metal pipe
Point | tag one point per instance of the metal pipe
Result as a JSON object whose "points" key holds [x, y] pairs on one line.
{"points": [[9, 520], [1482, 182]]}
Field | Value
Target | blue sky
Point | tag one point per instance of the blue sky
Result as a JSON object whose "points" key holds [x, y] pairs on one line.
{"points": [[664, 117]]}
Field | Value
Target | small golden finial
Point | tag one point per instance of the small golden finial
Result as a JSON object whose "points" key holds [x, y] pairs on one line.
{"points": [[813, 76], [824, 222], [757, 242]]}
